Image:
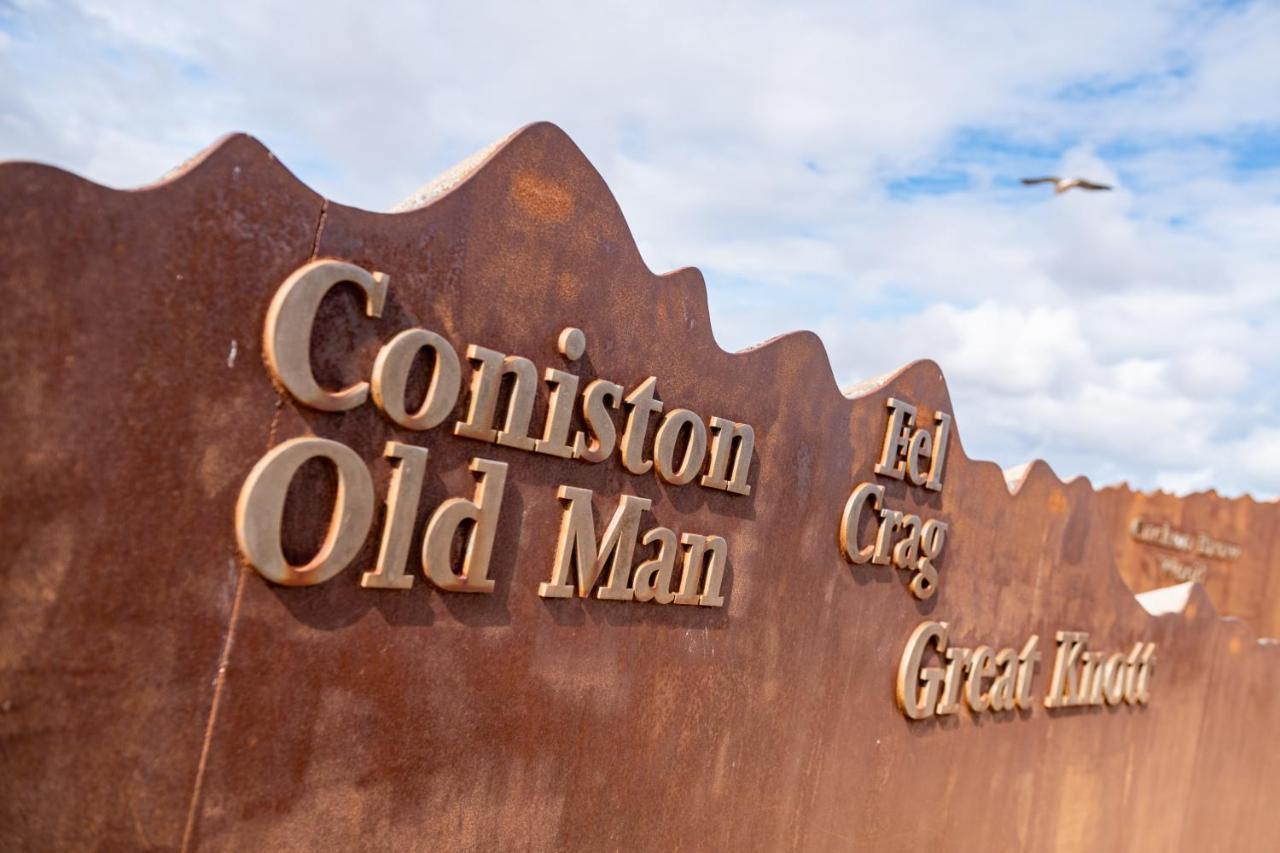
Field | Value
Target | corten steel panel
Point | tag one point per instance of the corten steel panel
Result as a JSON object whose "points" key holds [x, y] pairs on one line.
{"points": [[163, 693], [1247, 585], [124, 430]]}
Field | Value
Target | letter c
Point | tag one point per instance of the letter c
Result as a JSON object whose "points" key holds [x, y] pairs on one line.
{"points": [[290, 318], [853, 509]]}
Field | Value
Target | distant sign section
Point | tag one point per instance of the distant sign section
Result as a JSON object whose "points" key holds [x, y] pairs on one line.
{"points": [[1196, 546], [1229, 545]]}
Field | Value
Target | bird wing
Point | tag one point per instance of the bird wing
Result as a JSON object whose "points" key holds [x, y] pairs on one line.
{"points": [[1030, 181], [1090, 185]]}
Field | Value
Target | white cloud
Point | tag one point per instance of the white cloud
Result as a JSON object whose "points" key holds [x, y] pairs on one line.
{"points": [[1123, 335]]}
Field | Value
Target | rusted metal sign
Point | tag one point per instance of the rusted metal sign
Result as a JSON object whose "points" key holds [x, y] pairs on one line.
{"points": [[455, 528]]}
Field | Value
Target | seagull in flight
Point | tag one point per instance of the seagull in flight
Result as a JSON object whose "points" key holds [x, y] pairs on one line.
{"points": [[1061, 185]]}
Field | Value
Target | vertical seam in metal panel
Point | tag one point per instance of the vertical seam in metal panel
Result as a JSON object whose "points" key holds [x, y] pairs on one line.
{"points": [[223, 661], [324, 212]]}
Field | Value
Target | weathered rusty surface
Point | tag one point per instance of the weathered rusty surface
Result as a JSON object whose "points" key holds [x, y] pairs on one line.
{"points": [[160, 693], [1246, 585]]}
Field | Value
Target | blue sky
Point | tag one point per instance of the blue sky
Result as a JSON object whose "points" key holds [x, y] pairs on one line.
{"points": [[843, 167]]}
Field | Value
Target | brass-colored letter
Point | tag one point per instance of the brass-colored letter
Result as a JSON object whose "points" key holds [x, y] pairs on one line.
{"points": [[1113, 679], [1027, 660], [1091, 679], [653, 577], [921, 444], [865, 493], [710, 552], [555, 432], [391, 377], [890, 520], [483, 511], [932, 537], [897, 433], [1146, 667], [485, 376], [957, 660], [981, 667], [907, 551], [643, 405], [664, 447], [601, 396], [1002, 689], [730, 440], [524, 390], [402, 509], [260, 511], [1064, 690], [1131, 673], [578, 553], [934, 483], [918, 687], [491, 367], [290, 318]]}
